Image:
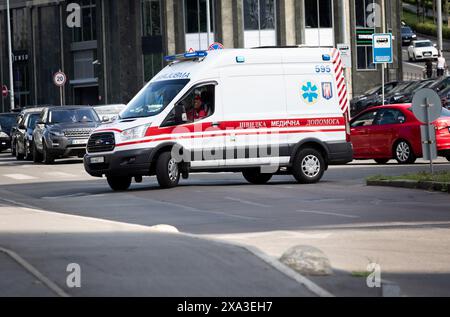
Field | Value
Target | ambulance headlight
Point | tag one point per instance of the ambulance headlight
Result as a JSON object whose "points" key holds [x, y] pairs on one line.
{"points": [[134, 133]]}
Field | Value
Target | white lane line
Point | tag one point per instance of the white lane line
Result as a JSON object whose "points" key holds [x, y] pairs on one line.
{"points": [[323, 213], [33, 271], [246, 202], [20, 177], [65, 196], [60, 174]]}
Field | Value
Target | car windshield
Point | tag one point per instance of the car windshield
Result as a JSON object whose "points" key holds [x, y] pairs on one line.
{"points": [[423, 44], [73, 116], [417, 85], [401, 87], [406, 30], [153, 99], [32, 120], [445, 112], [373, 90], [7, 122]]}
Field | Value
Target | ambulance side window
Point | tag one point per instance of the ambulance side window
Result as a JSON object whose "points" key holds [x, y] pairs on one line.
{"points": [[195, 106]]}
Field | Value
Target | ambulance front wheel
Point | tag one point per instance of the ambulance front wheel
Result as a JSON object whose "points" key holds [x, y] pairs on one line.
{"points": [[308, 166], [119, 183], [167, 171], [254, 176]]}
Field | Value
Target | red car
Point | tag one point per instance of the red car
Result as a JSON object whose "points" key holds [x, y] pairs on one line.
{"points": [[393, 132]]}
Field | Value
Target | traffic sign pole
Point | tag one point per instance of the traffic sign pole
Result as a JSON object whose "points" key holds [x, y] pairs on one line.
{"points": [[429, 138]]}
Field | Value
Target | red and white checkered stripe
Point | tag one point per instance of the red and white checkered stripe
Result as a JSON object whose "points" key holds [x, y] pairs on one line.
{"points": [[340, 80]]}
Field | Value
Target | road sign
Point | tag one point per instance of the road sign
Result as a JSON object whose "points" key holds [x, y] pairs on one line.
{"points": [[59, 79], [5, 91], [382, 48], [216, 46], [346, 54], [427, 107]]}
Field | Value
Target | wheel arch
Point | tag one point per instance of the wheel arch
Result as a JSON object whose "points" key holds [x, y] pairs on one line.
{"points": [[310, 143]]}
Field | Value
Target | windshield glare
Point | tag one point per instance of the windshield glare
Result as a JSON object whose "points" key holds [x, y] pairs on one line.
{"points": [[73, 116], [7, 122], [153, 99], [424, 44], [32, 121]]}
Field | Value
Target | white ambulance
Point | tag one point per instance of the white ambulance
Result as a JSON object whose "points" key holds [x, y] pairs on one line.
{"points": [[260, 112]]}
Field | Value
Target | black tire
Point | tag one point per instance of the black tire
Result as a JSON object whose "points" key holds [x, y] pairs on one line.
{"points": [[28, 154], [46, 156], [119, 183], [254, 176], [37, 157], [308, 166], [382, 161], [167, 171], [19, 156], [448, 158], [403, 153], [13, 149]]}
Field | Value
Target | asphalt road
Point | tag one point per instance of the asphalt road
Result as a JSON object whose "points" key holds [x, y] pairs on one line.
{"points": [[406, 231]]}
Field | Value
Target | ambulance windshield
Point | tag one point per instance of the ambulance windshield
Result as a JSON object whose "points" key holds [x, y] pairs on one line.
{"points": [[153, 99]]}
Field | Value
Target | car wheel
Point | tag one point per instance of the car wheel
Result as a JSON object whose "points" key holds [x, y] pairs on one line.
{"points": [[410, 58], [254, 176], [19, 156], [119, 183], [13, 149], [167, 171], [448, 158], [28, 154], [382, 161], [37, 157], [308, 166], [46, 156], [404, 153]]}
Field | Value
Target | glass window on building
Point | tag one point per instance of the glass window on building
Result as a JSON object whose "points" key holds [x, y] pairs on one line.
{"points": [[196, 26], [88, 29], [319, 23], [364, 29], [152, 50], [259, 23]]}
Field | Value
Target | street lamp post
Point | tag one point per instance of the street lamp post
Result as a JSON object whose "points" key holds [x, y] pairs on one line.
{"points": [[439, 24], [11, 77]]}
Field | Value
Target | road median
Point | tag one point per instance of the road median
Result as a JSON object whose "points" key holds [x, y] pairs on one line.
{"points": [[433, 182]]}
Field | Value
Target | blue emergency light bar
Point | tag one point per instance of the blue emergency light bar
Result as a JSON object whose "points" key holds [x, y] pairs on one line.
{"points": [[186, 56]]}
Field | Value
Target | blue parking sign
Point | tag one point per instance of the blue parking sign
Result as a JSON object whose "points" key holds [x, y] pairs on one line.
{"points": [[382, 48]]}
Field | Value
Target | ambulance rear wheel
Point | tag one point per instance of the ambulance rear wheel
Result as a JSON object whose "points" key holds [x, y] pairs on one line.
{"points": [[167, 171], [308, 166], [119, 183], [254, 176]]}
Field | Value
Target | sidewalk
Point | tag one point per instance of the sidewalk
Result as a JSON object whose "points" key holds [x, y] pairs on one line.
{"points": [[118, 259]]}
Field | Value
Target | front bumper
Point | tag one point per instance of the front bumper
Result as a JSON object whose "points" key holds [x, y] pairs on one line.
{"points": [[340, 153], [122, 163], [66, 147]]}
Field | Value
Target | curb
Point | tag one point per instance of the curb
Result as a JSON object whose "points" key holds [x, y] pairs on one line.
{"points": [[424, 185]]}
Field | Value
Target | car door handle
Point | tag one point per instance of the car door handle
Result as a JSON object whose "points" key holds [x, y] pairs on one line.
{"points": [[215, 124]]}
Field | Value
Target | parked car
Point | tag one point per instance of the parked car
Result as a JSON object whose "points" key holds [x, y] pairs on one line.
{"points": [[422, 50], [393, 132], [445, 97], [406, 95], [63, 132], [408, 35], [23, 135], [108, 113], [370, 97], [7, 123]]}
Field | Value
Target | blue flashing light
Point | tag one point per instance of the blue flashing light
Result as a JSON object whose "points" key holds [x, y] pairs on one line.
{"points": [[326, 58], [186, 56], [240, 59]]}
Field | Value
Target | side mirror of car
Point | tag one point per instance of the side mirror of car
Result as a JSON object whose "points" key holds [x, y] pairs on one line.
{"points": [[105, 119]]}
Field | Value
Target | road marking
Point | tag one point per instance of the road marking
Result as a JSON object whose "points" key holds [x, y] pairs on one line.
{"points": [[326, 213], [33, 271], [66, 196], [246, 202], [21, 177], [60, 174]]}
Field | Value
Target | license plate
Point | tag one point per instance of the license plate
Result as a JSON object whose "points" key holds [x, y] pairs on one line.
{"points": [[97, 160], [79, 142], [427, 54]]}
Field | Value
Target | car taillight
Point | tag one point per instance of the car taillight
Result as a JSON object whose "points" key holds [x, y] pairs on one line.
{"points": [[442, 125], [347, 128]]}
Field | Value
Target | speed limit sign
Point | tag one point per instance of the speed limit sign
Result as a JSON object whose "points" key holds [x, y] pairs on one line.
{"points": [[59, 79]]}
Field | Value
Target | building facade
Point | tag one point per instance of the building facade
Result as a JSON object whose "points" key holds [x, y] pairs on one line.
{"points": [[120, 44]]}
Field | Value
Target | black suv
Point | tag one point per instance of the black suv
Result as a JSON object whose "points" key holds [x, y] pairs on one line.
{"points": [[63, 132], [7, 123], [22, 136]]}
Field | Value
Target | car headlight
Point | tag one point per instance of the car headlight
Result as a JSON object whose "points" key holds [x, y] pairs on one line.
{"points": [[57, 133], [3, 135], [134, 133], [414, 36]]}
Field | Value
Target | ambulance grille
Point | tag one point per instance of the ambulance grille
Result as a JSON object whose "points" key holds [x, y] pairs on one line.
{"points": [[101, 142]]}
